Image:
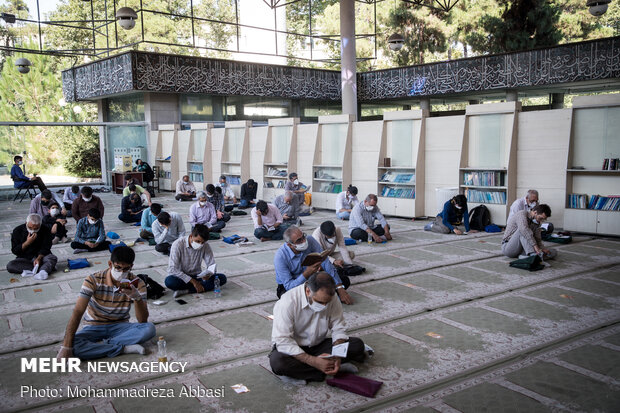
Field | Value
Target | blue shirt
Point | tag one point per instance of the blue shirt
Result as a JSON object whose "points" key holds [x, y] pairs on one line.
{"points": [[449, 216], [88, 232], [289, 269], [19, 179], [147, 220]]}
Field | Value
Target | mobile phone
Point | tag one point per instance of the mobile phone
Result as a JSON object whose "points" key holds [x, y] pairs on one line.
{"points": [[180, 301]]}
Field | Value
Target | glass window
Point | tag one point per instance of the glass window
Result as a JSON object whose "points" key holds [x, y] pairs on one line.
{"points": [[199, 139], [311, 109], [233, 144], [333, 140], [280, 143], [489, 138], [126, 108], [595, 136], [402, 141], [123, 137]]}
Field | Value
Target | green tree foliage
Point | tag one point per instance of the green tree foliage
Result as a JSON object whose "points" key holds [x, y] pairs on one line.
{"points": [[523, 25]]}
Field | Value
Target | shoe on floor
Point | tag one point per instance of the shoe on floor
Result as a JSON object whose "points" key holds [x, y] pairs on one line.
{"points": [[290, 380], [79, 250], [179, 293]]}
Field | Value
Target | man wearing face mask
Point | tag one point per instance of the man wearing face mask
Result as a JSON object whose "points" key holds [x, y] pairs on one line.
{"points": [[90, 234], [267, 222], [55, 221], [345, 201], [185, 273], [185, 189], [522, 236], [299, 190], [308, 321], [104, 305], [362, 221], [288, 209], [20, 180], [216, 199], [453, 218], [527, 203], [131, 209], [330, 237], [85, 202], [229, 196], [203, 212], [40, 204], [32, 245], [289, 269]]}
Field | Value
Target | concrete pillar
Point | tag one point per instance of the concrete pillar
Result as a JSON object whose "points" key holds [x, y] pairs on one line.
{"points": [[557, 100], [347, 57], [425, 104], [101, 117], [512, 95]]}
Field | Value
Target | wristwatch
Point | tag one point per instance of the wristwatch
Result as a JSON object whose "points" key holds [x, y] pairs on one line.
{"points": [[340, 286]]}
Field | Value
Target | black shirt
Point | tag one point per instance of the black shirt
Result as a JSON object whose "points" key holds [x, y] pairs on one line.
{"points": [[248, 193], [42, 245], [127, 204]]}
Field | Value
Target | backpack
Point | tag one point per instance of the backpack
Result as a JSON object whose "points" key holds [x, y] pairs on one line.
{"points": [[153, 289], [350, 270], [479, 218], [149, 175], [531, 263]]}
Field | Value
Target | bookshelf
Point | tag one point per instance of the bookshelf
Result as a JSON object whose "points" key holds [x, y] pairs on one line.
{"points": [[166, 156], [198, 154], [400, 173], [591, 192], [331, 169], [487, 173], [280, 156], [234, 162]]}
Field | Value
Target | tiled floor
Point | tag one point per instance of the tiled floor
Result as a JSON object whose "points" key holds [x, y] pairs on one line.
{"points": [[453, 326]]}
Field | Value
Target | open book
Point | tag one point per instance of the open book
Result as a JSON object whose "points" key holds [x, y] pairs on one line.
{"points": [[314, 257]]}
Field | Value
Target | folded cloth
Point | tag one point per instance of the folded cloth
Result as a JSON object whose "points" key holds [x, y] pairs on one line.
{"points": [[78, 263], [349, 241], [492, 228], [233, 239], [112, 246], [113, 235], [355, 384]]}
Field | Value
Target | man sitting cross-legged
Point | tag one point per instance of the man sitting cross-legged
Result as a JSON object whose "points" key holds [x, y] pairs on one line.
{"points": [[166, 229], [105, 303], [308, 321], [290, 271], [185, 274], [90, 234], [32, 243]]}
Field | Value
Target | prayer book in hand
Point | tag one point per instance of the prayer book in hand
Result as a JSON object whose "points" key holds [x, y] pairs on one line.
{"points": [[314, 257]]}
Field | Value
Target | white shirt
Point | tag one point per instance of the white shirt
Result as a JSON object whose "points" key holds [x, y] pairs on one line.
{"points": [[295, 324], [227, 191], [519, 205], [345, 202], [327, 246]]}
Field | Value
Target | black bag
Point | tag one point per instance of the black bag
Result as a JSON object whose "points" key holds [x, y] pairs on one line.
{"points": [[237, 212], [350, 270], [479, 218], [531, 263], [153, 289]]}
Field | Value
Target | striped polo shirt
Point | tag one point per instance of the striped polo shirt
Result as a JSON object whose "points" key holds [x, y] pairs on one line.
{"points": [[105, 305]]}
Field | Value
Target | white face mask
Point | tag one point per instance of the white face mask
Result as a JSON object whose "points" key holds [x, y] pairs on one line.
{"points": [[302, 247], [532, 204], [32, 231], [201, 203], [54, 212], [458, 207], [87, 199], [196, 245], [92, 221], [535, 221], [369, 207], [331, 240], [296, 181], [317, 307], [118, 275]]}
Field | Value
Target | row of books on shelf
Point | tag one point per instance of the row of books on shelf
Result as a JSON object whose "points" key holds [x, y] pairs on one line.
{"points": [[484, 178], [598, 202], [269, 184], [320, 174], [195, 167], [233, 179], [487, 197], [611, 164], [398, 178], [195, 177], [392, 192], [276, 172], [331, 187], [165, 174]]}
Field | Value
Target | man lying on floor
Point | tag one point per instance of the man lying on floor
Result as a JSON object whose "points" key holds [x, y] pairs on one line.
{"points": [[105, 304], [308, 321]]}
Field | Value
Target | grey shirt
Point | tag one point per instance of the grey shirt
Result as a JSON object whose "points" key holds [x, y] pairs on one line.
{"points": [[362, 218], [175, 230], [288, 209], [185, 262]]}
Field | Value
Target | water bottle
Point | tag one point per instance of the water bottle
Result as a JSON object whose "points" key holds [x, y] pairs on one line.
{"points": [[217, 290], [161, 350]]}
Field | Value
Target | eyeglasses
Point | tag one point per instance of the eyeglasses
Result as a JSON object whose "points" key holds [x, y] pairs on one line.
{"points": [[299, 240]]}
